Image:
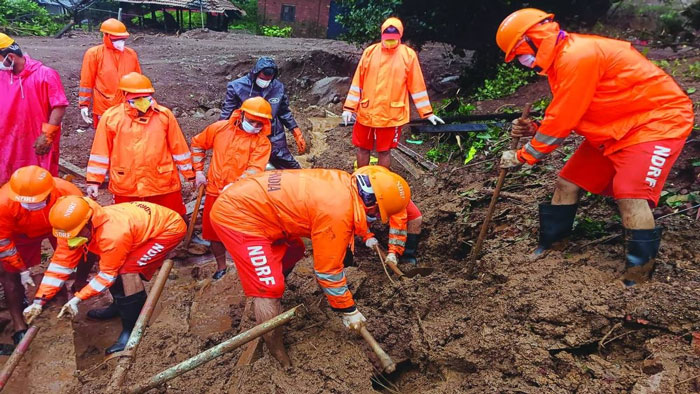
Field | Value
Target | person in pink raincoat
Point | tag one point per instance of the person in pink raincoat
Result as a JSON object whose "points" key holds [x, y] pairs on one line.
{"points": [[32, 105]]}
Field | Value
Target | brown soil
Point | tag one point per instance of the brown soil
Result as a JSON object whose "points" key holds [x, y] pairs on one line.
{"points": [[506, 325]]}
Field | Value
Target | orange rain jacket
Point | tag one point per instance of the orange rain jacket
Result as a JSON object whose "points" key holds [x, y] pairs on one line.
{"points": [[142, 154], [323, 205], [16, 220], [382, 81], [609, 93], [103, 66], [398, 225], [237, 154], [117, 230]]}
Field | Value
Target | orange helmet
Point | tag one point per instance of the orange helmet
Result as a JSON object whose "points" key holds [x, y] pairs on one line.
{"points": [[69, 215], [391, 190], [258, 107], [134, 82], [31, 184], [515, 25], [114, 28]]}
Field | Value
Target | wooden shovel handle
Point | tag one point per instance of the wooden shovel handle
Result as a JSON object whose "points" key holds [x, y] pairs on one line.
{"points": [[392, 266], [195, 213], [388, 365]]}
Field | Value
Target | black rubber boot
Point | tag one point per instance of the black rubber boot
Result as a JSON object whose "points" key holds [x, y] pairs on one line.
{"points": [[556, 223], [219, 274], [129, 308], [642, 248], [111, 311], [409, 253]]}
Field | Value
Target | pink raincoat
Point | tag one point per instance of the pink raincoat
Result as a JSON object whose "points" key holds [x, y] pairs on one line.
{"points": [[26, 100]]}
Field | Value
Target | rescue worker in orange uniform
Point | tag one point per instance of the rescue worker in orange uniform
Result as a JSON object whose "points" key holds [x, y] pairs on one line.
{"points": [[131, 239], [103, 67], [140, 144], [240, 148], [634, 116], [261, 218], [388, 71], [25, 202]]}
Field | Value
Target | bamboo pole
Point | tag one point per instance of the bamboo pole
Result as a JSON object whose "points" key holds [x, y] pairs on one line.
{"points": [[214, 352], [193, 218], [137, 333], [16, 356]]}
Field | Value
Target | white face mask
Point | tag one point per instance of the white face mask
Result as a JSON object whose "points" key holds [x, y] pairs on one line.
{"points": [[3, 67], [263, 83], [34, 206], [119, 45], [527, 60], [249, 128]]}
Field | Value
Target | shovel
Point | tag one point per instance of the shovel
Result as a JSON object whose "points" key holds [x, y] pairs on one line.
{"points": [[423, 271], [196, 249]]}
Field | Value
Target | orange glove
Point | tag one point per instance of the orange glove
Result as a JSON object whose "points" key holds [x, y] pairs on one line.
{"points": [[42, 145], [299, 138]]}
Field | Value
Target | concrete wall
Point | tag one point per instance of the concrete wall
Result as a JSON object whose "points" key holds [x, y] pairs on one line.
{"points": [[310, 19]]}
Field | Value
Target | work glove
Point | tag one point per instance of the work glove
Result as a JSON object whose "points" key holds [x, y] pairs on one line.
{"points": [[42, 145], [32, 312], [70, 309], [85, 113], [92, 190], [347, 117], [523, 128], [434, 119], [26, 279], [299, 138], [354, 320], [371, 242], [509, 159], [391, 258], [200, 179]]}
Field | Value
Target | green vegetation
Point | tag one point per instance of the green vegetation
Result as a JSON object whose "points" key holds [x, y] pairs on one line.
{"points": [[250, 21], [276, 31], [25, 17], [674, 200], [363, 19], [590, 228], [508, 79]]}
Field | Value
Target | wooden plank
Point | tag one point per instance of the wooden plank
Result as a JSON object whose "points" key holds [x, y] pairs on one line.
{"points": [[417, 157], [414, 171], [451, 128], [70, 168]]}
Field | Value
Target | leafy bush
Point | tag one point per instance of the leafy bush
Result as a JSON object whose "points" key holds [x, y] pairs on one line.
{"points": [[25, 17], [508, 79], [363, 18], [250, 21], [276, 31]]}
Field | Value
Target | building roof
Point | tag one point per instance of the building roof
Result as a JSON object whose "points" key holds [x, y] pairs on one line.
{"points": [[207, 5]]}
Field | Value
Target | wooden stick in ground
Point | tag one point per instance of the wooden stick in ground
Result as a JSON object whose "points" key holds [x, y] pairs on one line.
{"points": [[388, 364], [193, 218], [137, 333], [216, 351], [16, 356], [391, 265], [494, 199]]}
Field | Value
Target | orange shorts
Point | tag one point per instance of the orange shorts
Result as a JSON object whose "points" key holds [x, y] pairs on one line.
{"points": [[412, 211], [638, 171], [262, 264], [147, 258], [386, 137], [29, 250], [208, 232], [170, 200]]}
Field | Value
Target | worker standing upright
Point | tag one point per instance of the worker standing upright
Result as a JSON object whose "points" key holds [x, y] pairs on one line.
{"points": [[388, 71], [103, 67], [32, 105], [25, 202], [261, 218], [240, 149], [140, 144], [132, 240], [262, 81], [634, 117]]}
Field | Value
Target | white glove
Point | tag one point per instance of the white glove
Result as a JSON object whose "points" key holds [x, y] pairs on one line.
{"points": [[200, 179], [434, 119], [85, 113], [391, 258], [354, 320], [371, 242], [32, 312], [347, 117], [92, 191], [509, 159], [26, 279], [70, 309]]}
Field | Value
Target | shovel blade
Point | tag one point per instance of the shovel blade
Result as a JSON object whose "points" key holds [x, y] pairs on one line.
{"points": [[422, 271]]}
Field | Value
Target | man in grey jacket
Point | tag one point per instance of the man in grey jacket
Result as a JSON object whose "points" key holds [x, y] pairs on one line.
{"points": [[262, 81]]}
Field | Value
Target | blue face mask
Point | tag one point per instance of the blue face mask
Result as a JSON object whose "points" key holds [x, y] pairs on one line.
{"points": [[249, 127]]}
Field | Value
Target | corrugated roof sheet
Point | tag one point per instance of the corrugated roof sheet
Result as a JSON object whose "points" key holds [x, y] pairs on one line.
{"points": [[207, 5]]}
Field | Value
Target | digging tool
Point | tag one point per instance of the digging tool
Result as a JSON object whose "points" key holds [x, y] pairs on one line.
{"points": [[16, 356], [129, 352], [464, 118], [214, 352], [423, 271], [193, 218], [499, 184], [388, 365]]}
